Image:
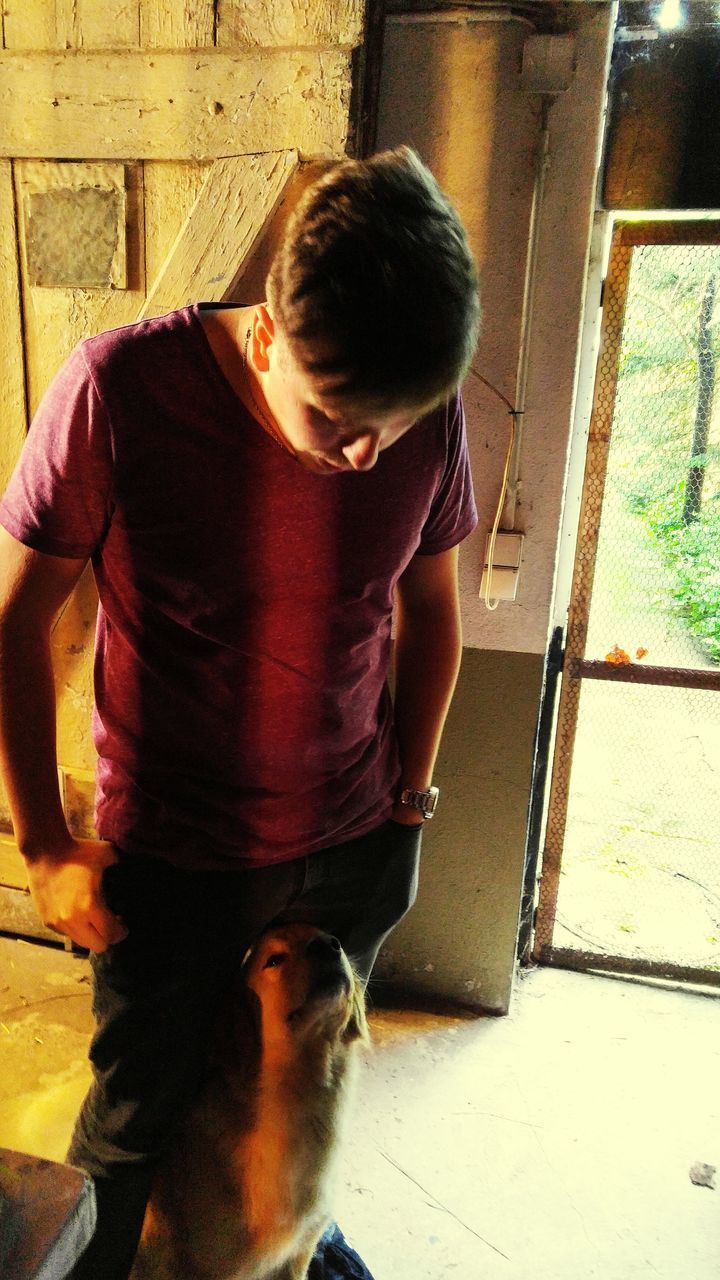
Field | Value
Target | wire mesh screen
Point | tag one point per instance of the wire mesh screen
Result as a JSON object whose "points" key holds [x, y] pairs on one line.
{"points": [[641, 871], [638, 808], [657, 571]]}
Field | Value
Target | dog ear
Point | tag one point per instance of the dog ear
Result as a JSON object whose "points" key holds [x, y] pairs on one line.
{"points": [[356, 1027]]}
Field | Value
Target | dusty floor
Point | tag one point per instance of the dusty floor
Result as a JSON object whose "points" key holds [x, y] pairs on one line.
{"points": [[555, 1143]]}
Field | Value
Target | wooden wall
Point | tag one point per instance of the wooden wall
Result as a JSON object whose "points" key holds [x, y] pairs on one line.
{"points": [[186, 121]]}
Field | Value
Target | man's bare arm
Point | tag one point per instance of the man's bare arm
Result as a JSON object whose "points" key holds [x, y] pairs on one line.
{"points": [[64, 874], [427, 660]]}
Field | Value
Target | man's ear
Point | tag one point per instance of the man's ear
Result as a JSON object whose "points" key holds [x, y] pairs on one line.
{"points": [[262, 338]]}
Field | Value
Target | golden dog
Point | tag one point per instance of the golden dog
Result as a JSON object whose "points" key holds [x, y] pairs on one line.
{"points": [[243, 1193]]}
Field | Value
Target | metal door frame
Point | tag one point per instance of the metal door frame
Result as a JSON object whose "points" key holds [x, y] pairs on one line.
{"points": [[576, 668]]}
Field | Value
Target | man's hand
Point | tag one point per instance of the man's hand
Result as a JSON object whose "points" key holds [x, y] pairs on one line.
{"points": [[66, 888]]}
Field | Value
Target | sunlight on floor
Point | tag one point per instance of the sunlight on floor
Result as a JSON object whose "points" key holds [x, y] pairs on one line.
{"points": [[554, 1143]]}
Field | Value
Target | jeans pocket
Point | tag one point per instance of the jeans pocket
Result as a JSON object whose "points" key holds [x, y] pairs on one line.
{"points": [[400, 868]]}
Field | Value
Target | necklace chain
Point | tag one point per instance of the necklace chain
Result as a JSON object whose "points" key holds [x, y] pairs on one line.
{"points": [[266, 422]]}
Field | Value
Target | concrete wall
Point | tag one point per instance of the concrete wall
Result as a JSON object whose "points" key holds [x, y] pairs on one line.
{"points": [[451, 87], [458, 943]]}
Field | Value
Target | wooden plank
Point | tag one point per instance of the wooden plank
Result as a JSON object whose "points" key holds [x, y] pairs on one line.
{"points": [[12, 362], [30, 26], [19, 917], [170, 191], [12, 867], [180, 24], [180, 105], [72, 644], [85, 24], [226, 223], [72, 24], [251, 286], [324, 23], [79, 802]]}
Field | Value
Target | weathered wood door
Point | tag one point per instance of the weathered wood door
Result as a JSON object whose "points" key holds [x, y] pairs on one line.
{"points": [[146, 147]]}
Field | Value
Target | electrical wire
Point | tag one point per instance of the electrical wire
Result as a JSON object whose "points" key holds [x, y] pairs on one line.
{"points": [[515, 414]]}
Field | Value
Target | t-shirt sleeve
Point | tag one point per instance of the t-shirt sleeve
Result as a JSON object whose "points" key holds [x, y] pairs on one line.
{"points": [[453, 514], [59, 497]]}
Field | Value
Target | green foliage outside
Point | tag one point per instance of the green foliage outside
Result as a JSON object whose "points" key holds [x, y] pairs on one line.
{"points": [[655, 413]]}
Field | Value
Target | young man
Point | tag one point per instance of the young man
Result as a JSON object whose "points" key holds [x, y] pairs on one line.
{"points": [[255, 486]]}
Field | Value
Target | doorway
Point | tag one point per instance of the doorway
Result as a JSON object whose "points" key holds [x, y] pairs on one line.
{"points": [[631, 865]]}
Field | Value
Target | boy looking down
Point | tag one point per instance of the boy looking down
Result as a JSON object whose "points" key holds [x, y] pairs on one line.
{"points": [[256, 488]]}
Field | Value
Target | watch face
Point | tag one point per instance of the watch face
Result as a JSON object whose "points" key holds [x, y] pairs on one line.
{"points": [[425, 802]]}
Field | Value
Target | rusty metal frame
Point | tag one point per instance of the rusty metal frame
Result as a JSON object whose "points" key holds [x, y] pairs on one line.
{"points": [[631, 673], [576, 667], [601, 962]]}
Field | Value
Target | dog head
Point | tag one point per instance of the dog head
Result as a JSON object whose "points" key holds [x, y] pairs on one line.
{"points": [[304, 986]]}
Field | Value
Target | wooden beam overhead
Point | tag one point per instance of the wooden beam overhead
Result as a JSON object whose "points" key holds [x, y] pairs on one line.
{"points": [[179, 105]]}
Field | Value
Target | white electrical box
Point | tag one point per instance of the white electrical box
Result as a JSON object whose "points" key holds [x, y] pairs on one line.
{"points": [[506, 565]]}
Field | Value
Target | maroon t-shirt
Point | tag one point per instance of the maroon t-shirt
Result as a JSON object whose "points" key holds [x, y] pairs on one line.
{"points": [[242, 710]]}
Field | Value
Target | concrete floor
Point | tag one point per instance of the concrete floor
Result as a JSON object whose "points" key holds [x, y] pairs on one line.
{"points": [[554, 1143]]}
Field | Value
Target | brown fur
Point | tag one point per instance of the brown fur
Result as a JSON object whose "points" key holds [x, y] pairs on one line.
{"points": [[243, 1193]]}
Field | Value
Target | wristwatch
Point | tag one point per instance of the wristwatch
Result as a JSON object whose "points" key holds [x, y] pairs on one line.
{"points": [[424, 801]]}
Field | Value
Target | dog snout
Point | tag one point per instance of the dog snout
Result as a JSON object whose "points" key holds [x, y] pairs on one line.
{"points": [[323, 947], [330, 969]]}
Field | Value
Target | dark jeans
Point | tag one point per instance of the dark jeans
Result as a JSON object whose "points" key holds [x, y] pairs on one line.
{"points": [[156, 996]]}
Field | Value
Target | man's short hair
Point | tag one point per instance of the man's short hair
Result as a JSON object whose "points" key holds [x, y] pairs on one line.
{"points": [[374, 286]]}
